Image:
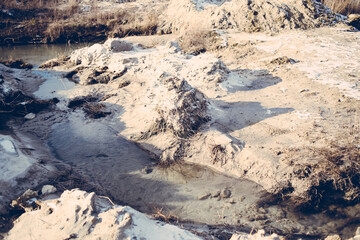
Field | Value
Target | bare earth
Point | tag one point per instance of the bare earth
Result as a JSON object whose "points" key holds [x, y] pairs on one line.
{"points": [[261, 131]]}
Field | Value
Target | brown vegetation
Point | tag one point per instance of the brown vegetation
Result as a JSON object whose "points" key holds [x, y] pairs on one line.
{"points": [[333, 170], [345, 7], [90, 106], [46, 22], [159, 214], [197, 40], [16, 63]]}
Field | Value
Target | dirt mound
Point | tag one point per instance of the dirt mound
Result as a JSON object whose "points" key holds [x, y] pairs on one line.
{"points": [[78, 214], [247, 16], [182, 111]]}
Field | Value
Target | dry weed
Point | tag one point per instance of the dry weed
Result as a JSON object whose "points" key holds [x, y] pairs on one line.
{"points": [[197, 40], [218, 154], [333, 169], [165, 217]]}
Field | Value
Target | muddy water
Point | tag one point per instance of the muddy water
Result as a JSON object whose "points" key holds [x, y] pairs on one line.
{"points": [[131, 176], [188, 192], [37, 54]]}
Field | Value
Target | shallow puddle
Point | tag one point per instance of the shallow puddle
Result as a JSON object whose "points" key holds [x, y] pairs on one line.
{"points": [[182, 191]]}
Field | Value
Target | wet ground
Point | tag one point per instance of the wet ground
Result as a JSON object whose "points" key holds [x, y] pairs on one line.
{"points": [[189, 193]]}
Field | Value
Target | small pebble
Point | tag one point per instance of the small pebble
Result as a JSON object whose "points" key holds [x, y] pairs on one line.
{"points": [[226, 193], [357, 232], [48, 189], [147, 170], [217, 194], [30, 116]]}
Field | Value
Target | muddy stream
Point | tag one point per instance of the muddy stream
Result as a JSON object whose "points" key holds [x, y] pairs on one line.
{"points": [[189, 193]]}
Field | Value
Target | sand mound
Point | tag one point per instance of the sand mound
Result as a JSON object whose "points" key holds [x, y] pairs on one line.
{"points": [[82, 215], [247, 16], [181, 108]]}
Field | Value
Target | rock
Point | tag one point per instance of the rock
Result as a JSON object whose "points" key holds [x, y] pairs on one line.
{"points": [[48, 189], [357, 232], [117, 45], [283, 60], [147, 170], [333, 237], [25, 201], [29, 194], [217, 194], [30, 116], [204, 196], [304, 90], [226, 193], [354, 20]]}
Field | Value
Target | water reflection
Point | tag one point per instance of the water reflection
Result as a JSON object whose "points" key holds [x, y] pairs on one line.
{"points": [[37, 54]]}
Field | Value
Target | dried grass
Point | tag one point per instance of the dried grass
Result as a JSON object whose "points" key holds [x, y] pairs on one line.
{"points": [[345, 7], [165, 217], [63, 20], [39, 4], [333, 169], [197, 40]]}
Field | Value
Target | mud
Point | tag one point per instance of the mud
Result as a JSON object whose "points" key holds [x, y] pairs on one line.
{"points": [[16, 63]]}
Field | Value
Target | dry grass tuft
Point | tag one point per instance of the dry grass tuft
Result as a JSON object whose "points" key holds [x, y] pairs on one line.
{"points": [[333, 169], [344, 7], [197, 40]]}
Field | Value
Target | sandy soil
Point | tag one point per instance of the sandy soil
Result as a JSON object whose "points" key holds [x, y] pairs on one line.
{"points": [[261, 132], [269, 122]]}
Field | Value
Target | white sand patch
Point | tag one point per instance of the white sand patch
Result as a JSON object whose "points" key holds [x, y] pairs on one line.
{"points": [[8, 146], [144, 228], [12, 162], [88, 216]]}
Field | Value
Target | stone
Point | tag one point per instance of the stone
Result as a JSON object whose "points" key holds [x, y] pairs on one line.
{"points": [[147, 170], [354, 20], [48, 189], [216, 194], [357, 232], [226, 193], [204, 196], [333, 237], [117, 45], [29, 194], [30, 116]]}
